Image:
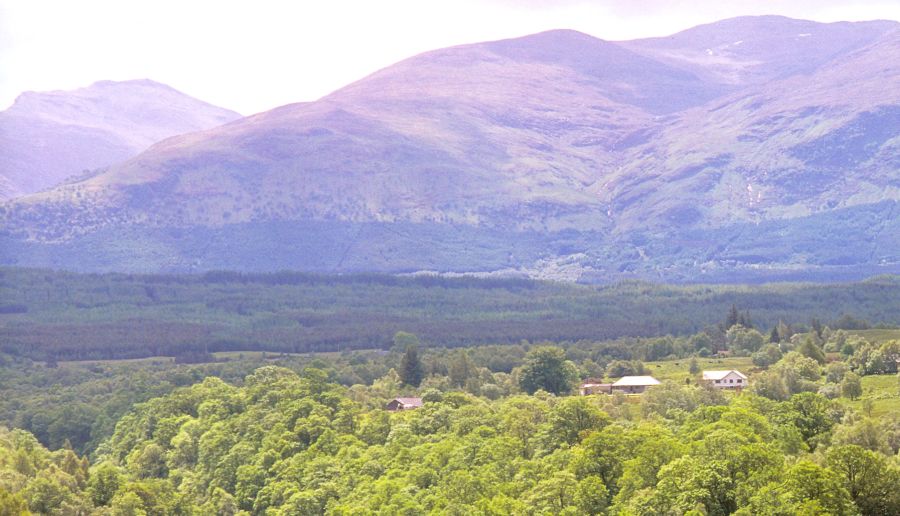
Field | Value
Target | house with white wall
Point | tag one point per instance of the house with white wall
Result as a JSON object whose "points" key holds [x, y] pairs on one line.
{"points": [[634, 384], [730, 379]]}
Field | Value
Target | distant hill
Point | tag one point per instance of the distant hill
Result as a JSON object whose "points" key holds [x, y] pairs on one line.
{"points": [[693, 157], [47, 137]]}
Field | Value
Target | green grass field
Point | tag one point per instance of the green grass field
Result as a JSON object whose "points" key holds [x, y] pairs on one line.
{"points": [[254, 355], [678, 370], [120, 361], [877, 336], [883, 391]]}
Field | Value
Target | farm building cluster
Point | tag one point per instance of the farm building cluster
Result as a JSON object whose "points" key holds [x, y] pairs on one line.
{"points": [[731, 379]]}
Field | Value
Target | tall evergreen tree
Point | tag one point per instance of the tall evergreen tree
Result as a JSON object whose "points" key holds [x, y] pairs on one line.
{"points": [[461, 368], [411, 370], [816, 325], [732, 318]]}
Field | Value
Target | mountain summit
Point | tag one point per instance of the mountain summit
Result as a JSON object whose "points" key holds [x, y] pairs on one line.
{"points": [[556, 155], [49, 136]]}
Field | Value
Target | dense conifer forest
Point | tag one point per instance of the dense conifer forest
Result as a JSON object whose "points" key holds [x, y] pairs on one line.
{"points": [[56, 316]]}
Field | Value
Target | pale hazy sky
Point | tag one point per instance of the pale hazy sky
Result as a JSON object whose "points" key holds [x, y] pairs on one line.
{"points": [[255, 55]]}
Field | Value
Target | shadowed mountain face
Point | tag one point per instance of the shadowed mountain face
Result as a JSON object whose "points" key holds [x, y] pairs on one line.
{"points": [[556, 155], [48, 137]]}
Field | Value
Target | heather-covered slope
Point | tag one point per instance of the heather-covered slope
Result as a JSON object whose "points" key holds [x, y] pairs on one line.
{"points": [[556, 154], [464, 136], [46, 137], [800, 146]]}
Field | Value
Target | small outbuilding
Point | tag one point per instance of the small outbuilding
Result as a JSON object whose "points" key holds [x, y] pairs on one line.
{"points": [[594, 386], [404, 404], [634, 384], [730, 379]]}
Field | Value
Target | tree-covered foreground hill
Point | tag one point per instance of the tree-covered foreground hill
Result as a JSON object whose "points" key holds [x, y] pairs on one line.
{"points": [[287, 443]]}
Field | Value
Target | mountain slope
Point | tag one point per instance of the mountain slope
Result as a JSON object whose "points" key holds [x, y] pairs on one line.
{"points": [[49, 136], [754, 50], [794, 147], [554, 154], [407, 143]]}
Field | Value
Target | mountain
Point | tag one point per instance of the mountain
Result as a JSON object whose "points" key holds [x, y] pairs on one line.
{"points": [[47, 137], [811, 142], [556, 155], [755, 50]]}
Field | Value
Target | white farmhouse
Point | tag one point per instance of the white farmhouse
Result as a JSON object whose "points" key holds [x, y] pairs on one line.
{"points": [[731, 379], [634, 384]]}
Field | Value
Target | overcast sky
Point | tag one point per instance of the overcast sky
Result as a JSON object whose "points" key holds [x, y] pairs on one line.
{"points": [[253, 56]]}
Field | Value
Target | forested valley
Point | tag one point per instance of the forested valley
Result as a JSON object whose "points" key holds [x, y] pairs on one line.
{"points": [[96, 420], [58, 316]]}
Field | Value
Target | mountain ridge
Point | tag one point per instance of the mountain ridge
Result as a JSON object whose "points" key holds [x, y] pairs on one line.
{"points": [[50, 136], [522, 154]]}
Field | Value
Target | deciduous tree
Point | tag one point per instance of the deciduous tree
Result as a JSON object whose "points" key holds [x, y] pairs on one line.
{"points": [[547, 368]]}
